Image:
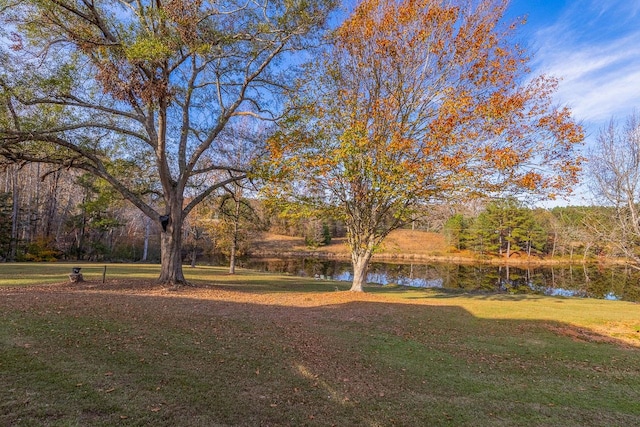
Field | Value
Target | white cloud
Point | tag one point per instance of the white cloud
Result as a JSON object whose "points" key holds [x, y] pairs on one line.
{"points": [[597, 58], [593, 46]]}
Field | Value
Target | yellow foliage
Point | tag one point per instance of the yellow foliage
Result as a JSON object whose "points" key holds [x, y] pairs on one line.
{"points": [[422, 99]]}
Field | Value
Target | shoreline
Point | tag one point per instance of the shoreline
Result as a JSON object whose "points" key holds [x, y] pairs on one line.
{"points": [[410, 258], [409, 246]]}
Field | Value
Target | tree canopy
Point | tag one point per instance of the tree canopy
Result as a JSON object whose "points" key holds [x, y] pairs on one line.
{"points": [[615, 172], [415, 101], [143, 93]]}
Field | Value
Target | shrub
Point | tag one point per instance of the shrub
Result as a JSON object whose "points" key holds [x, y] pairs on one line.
{"points": [[41, 250]]}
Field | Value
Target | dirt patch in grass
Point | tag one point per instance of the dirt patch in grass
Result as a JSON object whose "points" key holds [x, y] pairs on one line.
{"points": [[586, 335], [619, 333]]}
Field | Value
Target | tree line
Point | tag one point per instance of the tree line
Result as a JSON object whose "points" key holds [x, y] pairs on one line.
{"points": [[48, 214], [181, 108], [508, 228]]}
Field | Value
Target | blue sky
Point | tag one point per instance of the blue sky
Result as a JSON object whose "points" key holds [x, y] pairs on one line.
{"points": [[593, 46]]}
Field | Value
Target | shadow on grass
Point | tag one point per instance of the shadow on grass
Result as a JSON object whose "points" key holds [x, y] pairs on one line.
{"points": [[98, 356]]}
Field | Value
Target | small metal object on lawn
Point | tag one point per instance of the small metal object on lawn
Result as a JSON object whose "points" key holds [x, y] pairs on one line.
{"points": [[75, 275]]}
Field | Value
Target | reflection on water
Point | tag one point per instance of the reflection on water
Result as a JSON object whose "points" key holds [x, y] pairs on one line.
{"points": [[586, 281]]}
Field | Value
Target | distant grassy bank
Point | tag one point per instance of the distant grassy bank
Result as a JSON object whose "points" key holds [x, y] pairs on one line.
{"points": [[260, 349], [401, 245]]}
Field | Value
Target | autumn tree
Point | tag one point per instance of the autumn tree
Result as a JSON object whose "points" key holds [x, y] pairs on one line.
{"points": [[90, 84], [574, 227], [238, 220], [416, 101], [615, 171], [196, 230]]}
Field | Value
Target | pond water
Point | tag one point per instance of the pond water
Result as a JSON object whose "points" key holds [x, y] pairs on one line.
{"points": [[586, 281]]}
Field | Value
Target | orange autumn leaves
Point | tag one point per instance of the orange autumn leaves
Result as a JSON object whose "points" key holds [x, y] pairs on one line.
{"points": [[425, 98]]}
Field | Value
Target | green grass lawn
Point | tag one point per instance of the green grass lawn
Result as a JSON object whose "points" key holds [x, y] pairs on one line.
{"points": [[258, 349], [12, 274]]}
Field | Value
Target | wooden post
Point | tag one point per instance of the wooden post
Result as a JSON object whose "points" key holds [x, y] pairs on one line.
{"points": [[104, 273]]}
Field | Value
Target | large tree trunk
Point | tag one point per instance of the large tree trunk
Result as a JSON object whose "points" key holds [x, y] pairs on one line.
{"points": [[171, 247], [360, 269], [171, 258]]}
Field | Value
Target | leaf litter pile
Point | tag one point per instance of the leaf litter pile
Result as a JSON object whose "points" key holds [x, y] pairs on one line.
{"points": [[135, 353]]}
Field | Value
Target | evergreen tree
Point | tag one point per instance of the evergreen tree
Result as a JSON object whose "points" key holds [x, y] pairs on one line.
{"points": [[95, 223], [456, 231], [506, 226]]}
